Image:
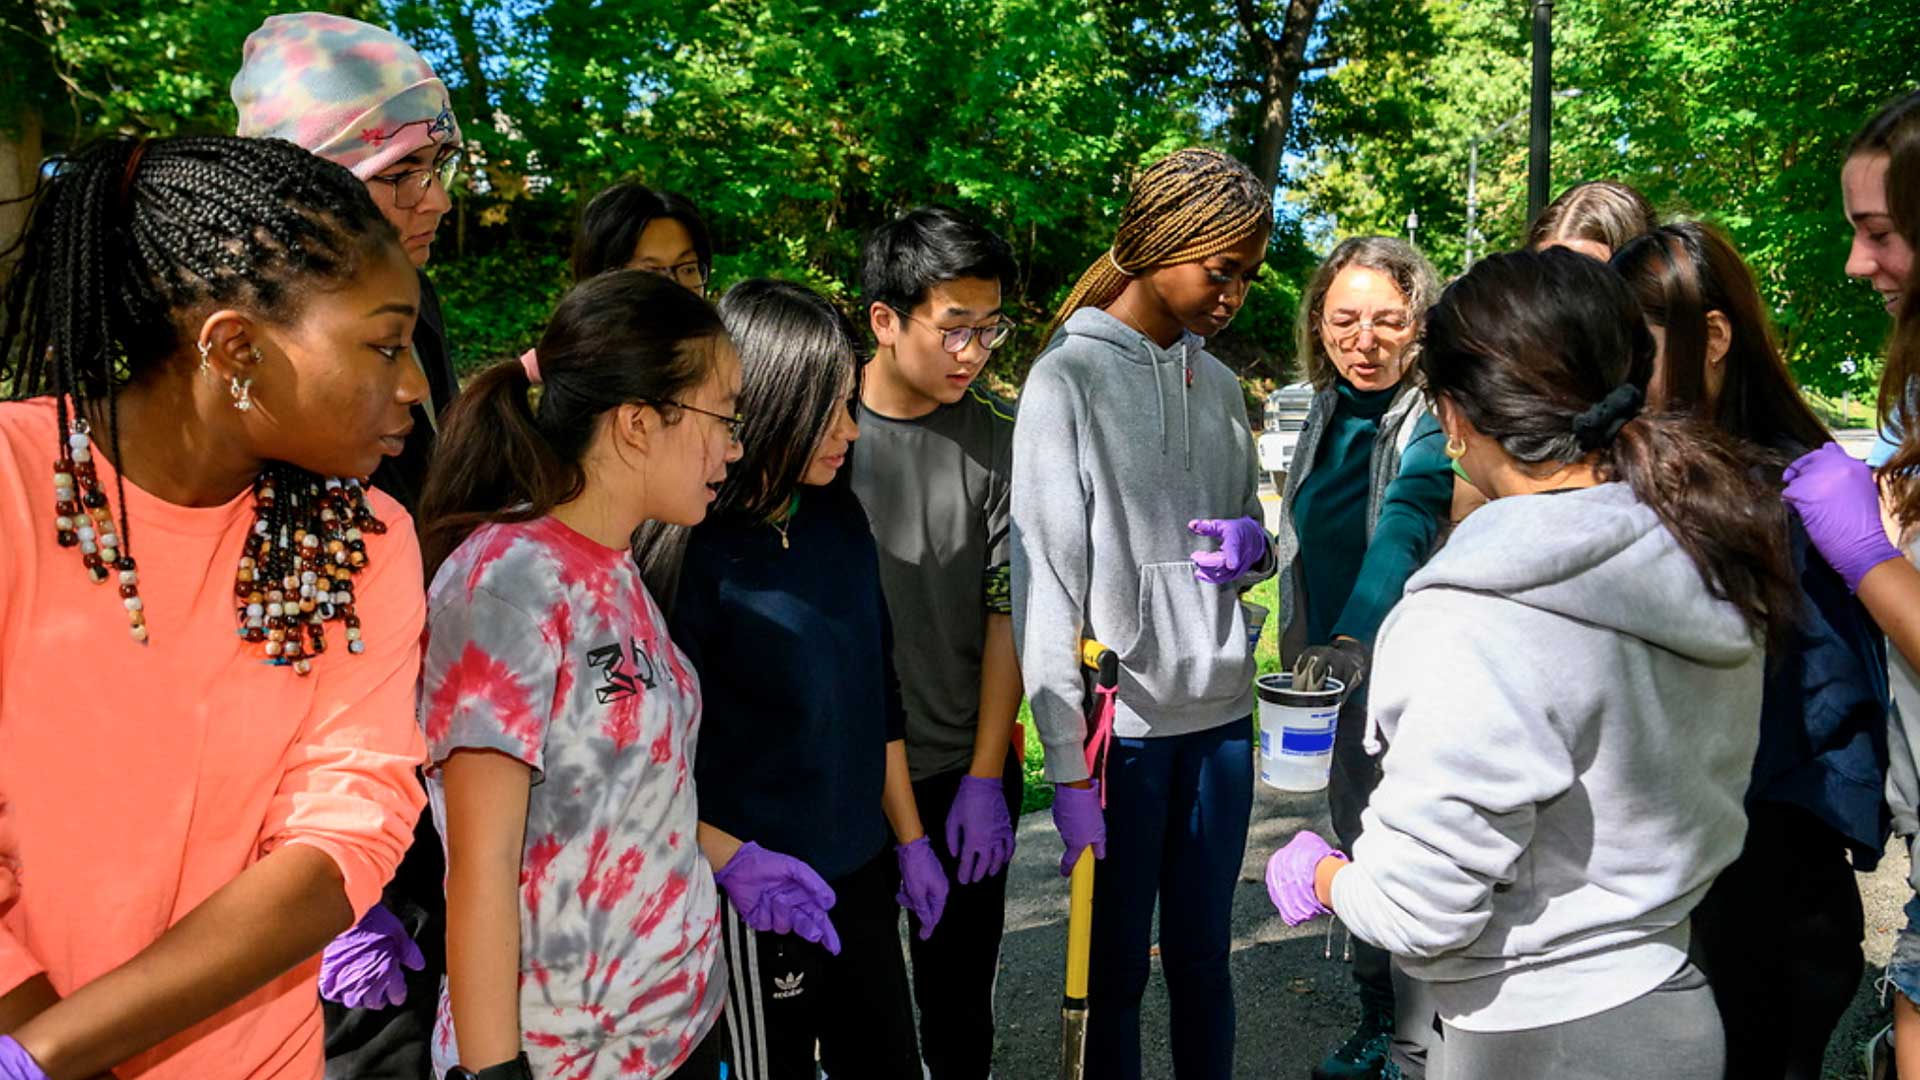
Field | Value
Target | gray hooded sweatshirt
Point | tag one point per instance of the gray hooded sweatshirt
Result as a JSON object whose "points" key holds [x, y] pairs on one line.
{"points": [[1571, 722], [1903, 748], [1117, 445]]}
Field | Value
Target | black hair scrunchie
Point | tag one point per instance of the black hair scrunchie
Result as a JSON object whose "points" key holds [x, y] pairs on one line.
{"points": [[1597, 426]]}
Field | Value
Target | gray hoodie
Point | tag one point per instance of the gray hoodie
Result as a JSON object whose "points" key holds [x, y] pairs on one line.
{"points": [[1571, 722], [1903, 748], [1117, 445]]}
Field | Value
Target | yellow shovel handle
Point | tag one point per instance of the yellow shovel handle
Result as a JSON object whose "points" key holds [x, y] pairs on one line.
{"points": [[1080, 925]]}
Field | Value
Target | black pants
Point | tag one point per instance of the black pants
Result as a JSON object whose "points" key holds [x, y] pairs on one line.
{"points": [[1354, 775], [784, 993], [393, 1044], [954, 970], [704, 1063], [1779, 938]]}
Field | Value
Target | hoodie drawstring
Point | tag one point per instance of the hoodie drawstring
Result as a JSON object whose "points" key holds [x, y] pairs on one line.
{"points": [[1159, 394], [1186, 414], [1160, 397]]}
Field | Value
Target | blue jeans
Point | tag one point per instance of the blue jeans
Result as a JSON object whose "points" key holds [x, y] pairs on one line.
{"points": [[1177, 813], [1903, 968]]}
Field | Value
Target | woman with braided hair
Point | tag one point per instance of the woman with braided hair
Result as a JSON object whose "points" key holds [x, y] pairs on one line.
{"points": [[206, 760], [1131, 441], [1567, 694]]}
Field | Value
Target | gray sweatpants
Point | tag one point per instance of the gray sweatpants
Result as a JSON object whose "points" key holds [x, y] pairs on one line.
{"points": [[1669, 1033]]}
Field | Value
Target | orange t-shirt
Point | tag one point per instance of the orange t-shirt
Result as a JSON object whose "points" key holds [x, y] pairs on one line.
{"points": [[136, 780]]}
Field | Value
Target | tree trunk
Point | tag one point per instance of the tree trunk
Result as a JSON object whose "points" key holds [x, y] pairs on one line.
{"points": [[20, 154], [476, 100], [1282, 60]]}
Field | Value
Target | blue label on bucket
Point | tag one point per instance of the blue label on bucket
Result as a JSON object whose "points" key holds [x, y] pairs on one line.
{"points": [[1298, 741]]}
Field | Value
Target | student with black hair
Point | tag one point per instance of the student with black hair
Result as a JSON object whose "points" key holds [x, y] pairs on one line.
{"points": [[802, 771], [1567, 694], [561, 720], [206, 759], [934, 470], [1816, 809], [631, 226], [1132, 449]]}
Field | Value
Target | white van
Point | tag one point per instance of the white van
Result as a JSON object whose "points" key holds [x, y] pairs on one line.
{"points": [[1285, 416]]}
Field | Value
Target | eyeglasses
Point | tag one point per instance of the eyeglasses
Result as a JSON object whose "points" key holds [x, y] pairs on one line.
{"points": [[687, 275], [410, 186], [1345, 327], [734, 423], [957, 339]]}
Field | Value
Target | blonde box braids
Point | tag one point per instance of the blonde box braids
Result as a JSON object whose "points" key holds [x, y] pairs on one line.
{"points": [[1188, 206]]}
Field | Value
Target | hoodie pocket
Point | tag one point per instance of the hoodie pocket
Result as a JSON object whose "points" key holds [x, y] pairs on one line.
{"points": [[1192, 640]]}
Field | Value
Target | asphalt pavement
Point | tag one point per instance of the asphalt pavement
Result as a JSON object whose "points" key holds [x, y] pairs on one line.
{"points": [[1294, 1004]]}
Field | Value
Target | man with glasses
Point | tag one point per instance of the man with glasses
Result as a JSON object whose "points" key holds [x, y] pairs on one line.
{"points": [[934, 470], [359, 96]]}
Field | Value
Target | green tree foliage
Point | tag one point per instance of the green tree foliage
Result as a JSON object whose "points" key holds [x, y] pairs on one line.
{"points": [[1735, 111], [798, 125]]}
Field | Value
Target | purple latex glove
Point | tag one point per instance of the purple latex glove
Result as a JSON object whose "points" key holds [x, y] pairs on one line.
{"points": [[1839, 503], [1082, 824], [779, 894], [1243, 546], [1290, 877], [979, 832], [16, 1063], [923, 885], [361, 968]]}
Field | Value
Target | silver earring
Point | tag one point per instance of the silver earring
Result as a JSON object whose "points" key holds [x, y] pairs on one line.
{"points": [[206, 350], [242, 391]]}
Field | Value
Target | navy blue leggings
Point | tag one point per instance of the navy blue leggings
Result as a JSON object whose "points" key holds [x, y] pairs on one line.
{"points": [[1177, 811]]}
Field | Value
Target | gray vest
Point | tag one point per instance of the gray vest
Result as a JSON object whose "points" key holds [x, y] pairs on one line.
{"points": [[1396, 431]]}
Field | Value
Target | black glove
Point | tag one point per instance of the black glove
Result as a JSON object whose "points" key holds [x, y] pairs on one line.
{"points": [[1344, 659]]}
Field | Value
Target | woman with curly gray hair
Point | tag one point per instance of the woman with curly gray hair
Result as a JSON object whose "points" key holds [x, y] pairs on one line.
{"points": [[1363, 504]]}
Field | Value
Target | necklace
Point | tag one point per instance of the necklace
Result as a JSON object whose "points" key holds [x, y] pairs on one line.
{"points": [[785, 520]]}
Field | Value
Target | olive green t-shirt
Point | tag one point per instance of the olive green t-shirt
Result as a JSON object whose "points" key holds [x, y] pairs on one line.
{"points": [[937, 490]]}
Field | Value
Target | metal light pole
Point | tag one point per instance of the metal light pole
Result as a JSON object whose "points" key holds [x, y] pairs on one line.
{"points": [[1540, 146], [1413, 222]]}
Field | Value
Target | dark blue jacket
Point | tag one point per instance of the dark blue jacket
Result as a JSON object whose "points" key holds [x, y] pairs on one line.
{"points": [[794, 650], [1823, 719]]}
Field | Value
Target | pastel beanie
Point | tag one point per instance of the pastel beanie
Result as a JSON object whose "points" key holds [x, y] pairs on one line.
{"points": [[348, 91]]}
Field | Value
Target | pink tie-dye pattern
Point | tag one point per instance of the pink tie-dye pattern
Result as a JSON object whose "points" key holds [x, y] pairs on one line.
{"points": [[479, 678], [533, 872], [612, 891]]}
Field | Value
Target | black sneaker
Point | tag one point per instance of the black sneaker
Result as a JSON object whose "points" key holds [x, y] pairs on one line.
{"points": [[1364, 1055]]}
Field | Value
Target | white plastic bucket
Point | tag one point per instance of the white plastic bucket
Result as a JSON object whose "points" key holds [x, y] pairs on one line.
{"points": [[1296, 732]]}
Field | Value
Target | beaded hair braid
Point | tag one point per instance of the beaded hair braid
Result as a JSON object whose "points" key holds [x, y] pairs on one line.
{"points": [[1187, 206], [125, 235]]}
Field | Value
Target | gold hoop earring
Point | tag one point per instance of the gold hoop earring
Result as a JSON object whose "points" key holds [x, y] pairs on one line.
{"points": [[1456, 447]]}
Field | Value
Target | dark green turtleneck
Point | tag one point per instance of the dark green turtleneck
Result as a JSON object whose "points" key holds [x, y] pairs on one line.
{"points": [[1351, 583]]}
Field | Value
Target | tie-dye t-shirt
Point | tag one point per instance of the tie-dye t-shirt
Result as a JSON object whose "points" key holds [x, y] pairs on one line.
{"points": [[545, 646]]}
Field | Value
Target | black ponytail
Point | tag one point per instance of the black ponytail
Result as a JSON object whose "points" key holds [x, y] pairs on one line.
{"points": [[1533, 348], [509, 451]]}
